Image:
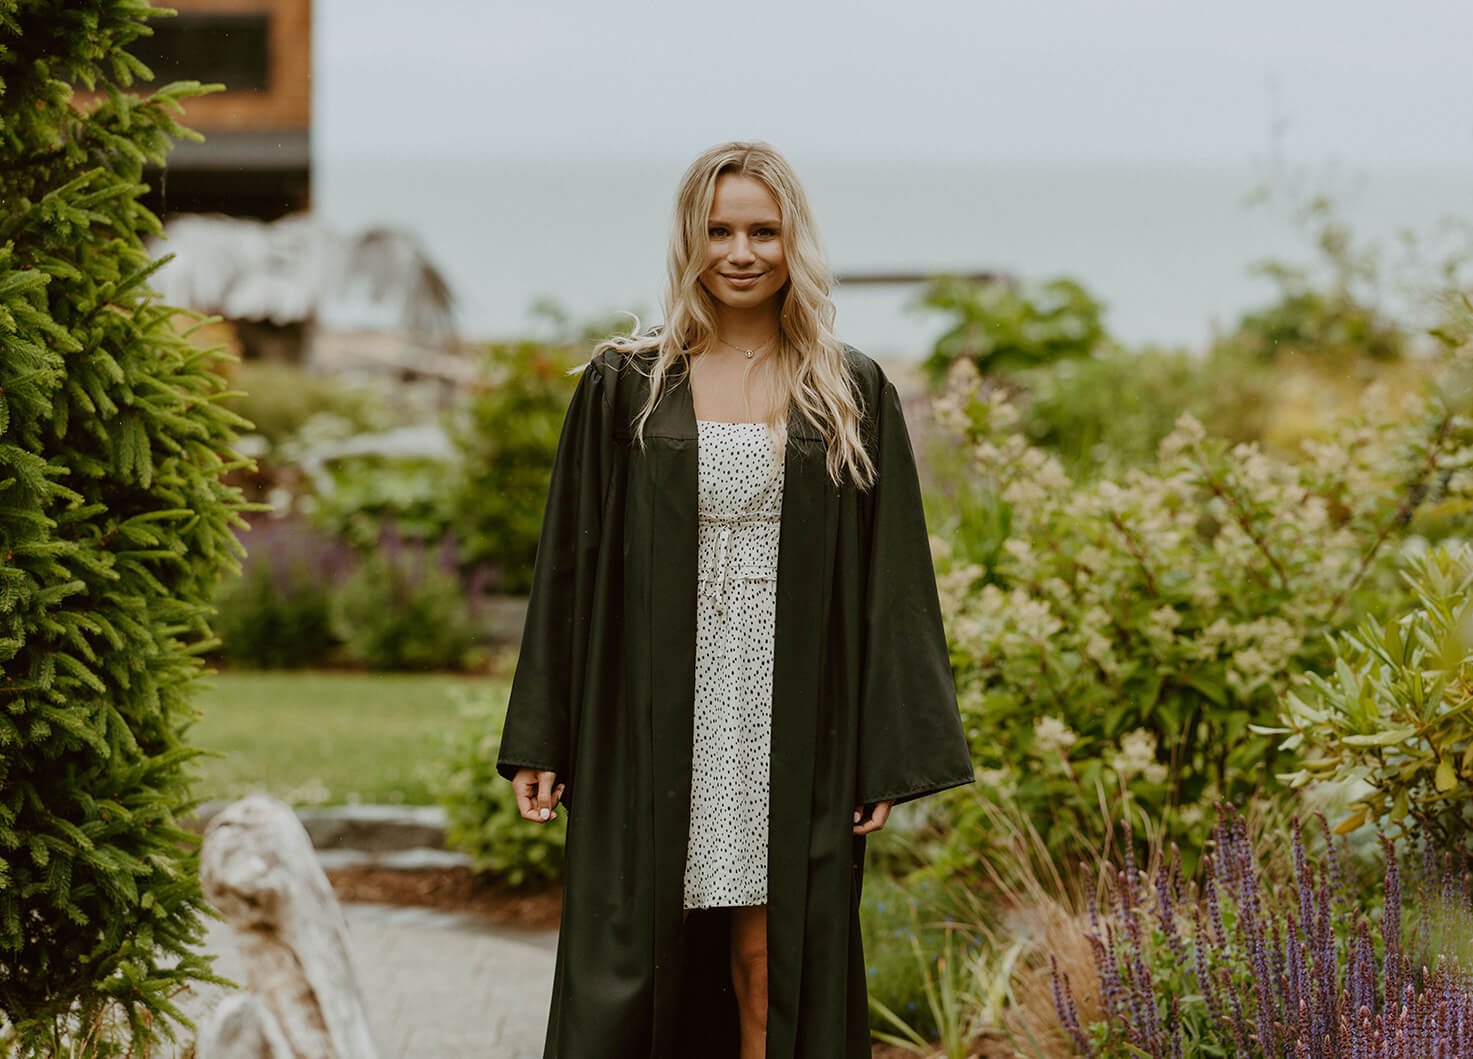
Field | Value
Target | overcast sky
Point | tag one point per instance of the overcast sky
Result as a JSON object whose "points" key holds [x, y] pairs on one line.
{"points": [[1356, 81]]}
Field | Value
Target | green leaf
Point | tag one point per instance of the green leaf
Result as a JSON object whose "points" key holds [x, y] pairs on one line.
{"points": [[1390, 737], [1400, 805], [1215, 690]]}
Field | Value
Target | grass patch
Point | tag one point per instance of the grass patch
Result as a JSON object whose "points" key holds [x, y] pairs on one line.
{"points": [[325, 738]]}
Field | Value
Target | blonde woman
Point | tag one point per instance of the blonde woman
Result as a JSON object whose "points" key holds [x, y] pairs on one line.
{"points": [[733, 663]]}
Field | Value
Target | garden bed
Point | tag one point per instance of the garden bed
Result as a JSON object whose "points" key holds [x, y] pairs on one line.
{"points": [[455, 890]]}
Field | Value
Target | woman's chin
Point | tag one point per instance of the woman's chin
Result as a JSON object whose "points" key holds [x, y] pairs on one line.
{"points": [[745, 300]]}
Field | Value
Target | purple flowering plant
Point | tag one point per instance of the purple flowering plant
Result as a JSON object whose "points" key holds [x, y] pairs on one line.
{"points": [[1235, 966]]}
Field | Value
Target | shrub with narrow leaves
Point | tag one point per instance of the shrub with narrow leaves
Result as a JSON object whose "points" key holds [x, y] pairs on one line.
{"points": [[1311, 970], [1395, 714]]}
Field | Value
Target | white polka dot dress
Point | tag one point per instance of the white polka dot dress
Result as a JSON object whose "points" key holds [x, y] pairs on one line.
{"points": [[741, 488]]}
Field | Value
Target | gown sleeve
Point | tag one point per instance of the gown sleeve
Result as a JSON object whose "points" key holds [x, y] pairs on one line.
{"points": [[537, 732], [911, 741]]}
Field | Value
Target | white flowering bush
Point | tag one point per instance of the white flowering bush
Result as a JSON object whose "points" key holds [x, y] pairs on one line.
{"points": [[1131, 630]]}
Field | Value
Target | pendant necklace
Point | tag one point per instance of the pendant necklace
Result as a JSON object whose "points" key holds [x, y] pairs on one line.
{"points": [[748, 353]]}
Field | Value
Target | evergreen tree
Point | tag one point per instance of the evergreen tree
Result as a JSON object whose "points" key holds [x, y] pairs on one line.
{"points": [[115, 524]]}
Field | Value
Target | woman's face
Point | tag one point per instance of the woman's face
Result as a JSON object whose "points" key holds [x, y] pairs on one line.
{"points": [[745, 260]]}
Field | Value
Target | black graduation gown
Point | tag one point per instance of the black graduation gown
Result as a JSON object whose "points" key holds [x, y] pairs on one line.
{"points": [[863, 710]]}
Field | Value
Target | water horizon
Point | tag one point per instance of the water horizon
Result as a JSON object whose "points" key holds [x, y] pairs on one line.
{"points": [[1167, 246]]}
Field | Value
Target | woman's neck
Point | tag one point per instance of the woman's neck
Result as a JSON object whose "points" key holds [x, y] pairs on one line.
{"points": [[747, 328]]}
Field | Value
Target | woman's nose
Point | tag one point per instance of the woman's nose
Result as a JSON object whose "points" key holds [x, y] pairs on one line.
{"points": [[741, 249]]}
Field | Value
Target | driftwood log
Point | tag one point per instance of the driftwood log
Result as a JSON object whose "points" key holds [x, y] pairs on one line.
{"points": [[241, 1028], [259, 869]]}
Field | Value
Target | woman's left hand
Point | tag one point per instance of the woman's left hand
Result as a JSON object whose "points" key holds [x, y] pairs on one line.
{"points": [[869, 818]]}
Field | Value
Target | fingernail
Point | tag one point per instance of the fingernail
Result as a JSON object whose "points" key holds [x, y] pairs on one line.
{"points": [[546, 813], [857, 815]]}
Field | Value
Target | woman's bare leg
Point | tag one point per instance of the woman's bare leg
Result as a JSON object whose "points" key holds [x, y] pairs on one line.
{"points": [[749, 976]]}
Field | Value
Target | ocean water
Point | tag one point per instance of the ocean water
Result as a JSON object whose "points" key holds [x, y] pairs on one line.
{"points": [[1167, 247]]}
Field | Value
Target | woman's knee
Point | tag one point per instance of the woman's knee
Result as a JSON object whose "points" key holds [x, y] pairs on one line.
{"points": [[749, 951]]}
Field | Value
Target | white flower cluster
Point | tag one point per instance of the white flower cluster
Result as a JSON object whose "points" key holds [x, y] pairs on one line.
{"points": [[1212, 569], [1137, 757], [1051, 735]]}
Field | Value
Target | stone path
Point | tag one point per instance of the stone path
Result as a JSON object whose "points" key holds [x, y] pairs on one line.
{"points": [[434, 984]]}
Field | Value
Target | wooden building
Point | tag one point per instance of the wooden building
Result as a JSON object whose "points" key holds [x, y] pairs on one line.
{"points": [[256, 158]]}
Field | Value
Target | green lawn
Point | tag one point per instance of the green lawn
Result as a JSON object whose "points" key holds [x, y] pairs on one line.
{"points": [[325, 738]]}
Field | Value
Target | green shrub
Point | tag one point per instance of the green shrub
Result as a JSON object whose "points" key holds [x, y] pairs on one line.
{"points": [[1108, 412], [507, 436], [115, 526], [1005, 326], [276, 614], [1306, 322], [481, 817], [1393, 714], [1329, 312], [280, 399], [370, 494], [403, 609], [1131, 631], [966, 517], [265, 623]]}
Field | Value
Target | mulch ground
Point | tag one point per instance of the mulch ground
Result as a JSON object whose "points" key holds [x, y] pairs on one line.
{"points": [[452, 890], [981, 1048]]}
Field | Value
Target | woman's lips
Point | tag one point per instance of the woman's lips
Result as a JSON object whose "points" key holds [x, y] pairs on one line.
{"points": [[742, 281]]}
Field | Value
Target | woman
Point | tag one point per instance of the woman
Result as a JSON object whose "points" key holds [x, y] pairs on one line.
{"points": [[733, 663]]}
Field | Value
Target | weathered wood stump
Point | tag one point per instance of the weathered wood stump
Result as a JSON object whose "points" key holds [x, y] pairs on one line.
{"points": [[259, 869]]}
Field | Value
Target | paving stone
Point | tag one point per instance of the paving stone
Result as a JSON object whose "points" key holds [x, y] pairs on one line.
{"points": [[434, 984], [376, 828], [397, 860]]}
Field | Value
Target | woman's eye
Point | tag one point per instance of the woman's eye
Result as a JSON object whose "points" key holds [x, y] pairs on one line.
{"points": [[716, 232]]}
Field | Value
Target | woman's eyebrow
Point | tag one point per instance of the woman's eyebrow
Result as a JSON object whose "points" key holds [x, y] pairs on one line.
{"points": [[715, 221]]}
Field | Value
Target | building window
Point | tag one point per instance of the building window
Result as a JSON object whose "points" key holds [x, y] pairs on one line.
{"points": [[232, 49]]}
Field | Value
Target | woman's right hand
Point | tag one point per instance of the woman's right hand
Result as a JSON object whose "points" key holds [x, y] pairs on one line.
{"points": [[537, 793]]}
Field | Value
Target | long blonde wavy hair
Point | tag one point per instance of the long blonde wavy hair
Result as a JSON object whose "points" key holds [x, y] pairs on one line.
{"points": [[807, 363]]}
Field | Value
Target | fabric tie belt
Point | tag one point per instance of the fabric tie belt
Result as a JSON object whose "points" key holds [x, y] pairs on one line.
{"points": [[716, 584]]}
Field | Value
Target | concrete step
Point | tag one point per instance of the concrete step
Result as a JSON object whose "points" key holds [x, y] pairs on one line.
{"points": [[406, 837]]}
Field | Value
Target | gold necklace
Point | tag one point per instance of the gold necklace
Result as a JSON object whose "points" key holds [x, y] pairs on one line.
{"points": [[748, 353]]}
